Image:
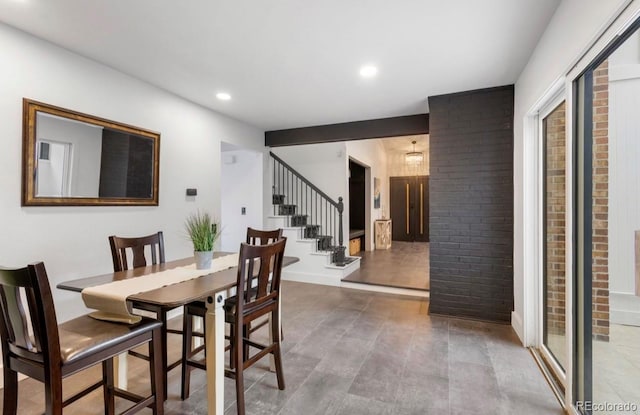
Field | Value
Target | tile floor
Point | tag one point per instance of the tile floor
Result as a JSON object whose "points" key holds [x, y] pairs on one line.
{"points": [[354, 352], [404, 265], [616, 366]]}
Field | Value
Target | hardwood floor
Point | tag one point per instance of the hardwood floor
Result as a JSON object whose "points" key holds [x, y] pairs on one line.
{"points": [[404, 265], [356, 352]]}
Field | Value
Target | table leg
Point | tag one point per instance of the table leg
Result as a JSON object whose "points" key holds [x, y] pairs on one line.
{"points": [[120, 369], [214, 343]]}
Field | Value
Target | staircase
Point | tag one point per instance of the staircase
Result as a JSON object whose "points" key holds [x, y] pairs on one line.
{"points": [[312, 223]]}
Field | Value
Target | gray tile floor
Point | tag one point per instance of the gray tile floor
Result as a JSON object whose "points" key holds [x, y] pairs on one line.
{"points": [[355, 352], [404, 265]]}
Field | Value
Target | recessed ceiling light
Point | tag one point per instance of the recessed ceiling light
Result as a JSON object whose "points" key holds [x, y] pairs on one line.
{"points": [[368, 71], [223, 96]]}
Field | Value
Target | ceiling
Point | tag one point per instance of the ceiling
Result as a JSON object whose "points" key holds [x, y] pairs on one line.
{"points": [[292, 63], [404, 144]]}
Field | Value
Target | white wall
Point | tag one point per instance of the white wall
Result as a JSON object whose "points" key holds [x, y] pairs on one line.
{"points": [[573, 28], [72, 241], [624, 153], [241, 186], [372, 154], [86, 151]]}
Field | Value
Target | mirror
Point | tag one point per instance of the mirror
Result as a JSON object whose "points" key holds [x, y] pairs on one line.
{"points": [[70, 159]]}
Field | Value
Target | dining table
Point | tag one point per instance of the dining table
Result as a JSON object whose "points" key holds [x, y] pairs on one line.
{"points": [[213, 288]]}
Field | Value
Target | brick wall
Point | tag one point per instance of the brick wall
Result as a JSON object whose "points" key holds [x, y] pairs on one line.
{"points": [[140, 167], [555, 202], [114, 162], [600, 263], [471, 204]]}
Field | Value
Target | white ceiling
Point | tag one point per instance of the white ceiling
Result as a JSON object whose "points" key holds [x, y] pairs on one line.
{"points": [[401, 145], [293, 63]]}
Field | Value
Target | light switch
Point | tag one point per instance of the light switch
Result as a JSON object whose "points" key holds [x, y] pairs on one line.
{"points": [[243, 210]]}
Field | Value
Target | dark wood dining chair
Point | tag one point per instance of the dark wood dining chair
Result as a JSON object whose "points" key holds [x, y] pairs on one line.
{"points": [[257, 294], [137, 246], [34, 344], [199, 309], [259, 237]]}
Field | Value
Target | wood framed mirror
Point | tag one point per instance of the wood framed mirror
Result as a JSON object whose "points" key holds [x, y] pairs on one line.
{"points": [[74, 159]]}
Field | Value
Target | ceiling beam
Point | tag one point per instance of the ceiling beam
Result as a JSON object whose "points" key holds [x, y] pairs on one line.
{"points": [[355, 130]]}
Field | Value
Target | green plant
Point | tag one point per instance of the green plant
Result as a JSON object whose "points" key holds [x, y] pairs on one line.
{"points": [[202, 230]]}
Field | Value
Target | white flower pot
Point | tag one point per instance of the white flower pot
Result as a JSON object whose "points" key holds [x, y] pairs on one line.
{"points": [[203, 259]]}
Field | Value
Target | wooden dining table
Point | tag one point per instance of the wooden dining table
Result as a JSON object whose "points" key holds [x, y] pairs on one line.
{"points": [[212, 288]]}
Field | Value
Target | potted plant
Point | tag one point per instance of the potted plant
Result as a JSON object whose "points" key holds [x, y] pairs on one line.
{"points": [[203, 232]]}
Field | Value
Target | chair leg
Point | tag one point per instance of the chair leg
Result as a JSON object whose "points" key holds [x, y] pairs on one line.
{"points": [[275, 315], [246, 329], [53, 396], [158, 385], [239, 383], [187, 344], [232, 344], [107, 387], [162, 316], [10, 406]]}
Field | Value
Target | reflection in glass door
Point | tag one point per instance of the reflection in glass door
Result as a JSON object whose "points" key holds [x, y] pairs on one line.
{"points": [[554, 231]]}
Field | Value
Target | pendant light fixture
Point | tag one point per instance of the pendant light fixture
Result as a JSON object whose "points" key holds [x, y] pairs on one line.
{"points": [[414, 157]]}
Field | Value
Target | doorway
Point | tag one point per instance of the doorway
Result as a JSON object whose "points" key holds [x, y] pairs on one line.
{"points": [[607, 230], [241, 205], [409, 203], [357, 208]]}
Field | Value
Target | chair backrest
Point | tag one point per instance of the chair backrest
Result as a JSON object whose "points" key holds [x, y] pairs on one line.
{"points": [[120, 245], [258, 237], [30, 283], [259, 270]]}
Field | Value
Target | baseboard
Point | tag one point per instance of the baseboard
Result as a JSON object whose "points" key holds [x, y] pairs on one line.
{"points": [[336, 282], [518, 326], [385, 289]]}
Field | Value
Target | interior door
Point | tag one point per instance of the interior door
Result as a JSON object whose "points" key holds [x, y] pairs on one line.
{"points": [[409, 208]]}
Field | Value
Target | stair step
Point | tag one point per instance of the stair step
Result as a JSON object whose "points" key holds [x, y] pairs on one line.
{"points": [[277, 199], [324, 242], [311, 231], [287, 210], [299, 220], [347, 262]]}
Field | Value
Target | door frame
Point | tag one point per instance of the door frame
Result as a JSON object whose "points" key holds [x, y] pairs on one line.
{"points": [[549, 360], [368, 203]]}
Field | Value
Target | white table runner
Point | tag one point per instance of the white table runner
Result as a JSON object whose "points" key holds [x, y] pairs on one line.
{"points": [[111, 299]]}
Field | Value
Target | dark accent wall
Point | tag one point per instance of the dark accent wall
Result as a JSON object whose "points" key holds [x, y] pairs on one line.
{"points": [[355, 130], [114, 164], [125, 165], [471, 204], [140, 176]]}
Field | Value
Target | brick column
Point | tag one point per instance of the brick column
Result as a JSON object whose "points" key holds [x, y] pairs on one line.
{"points": [[555, 171], [600, 264]]}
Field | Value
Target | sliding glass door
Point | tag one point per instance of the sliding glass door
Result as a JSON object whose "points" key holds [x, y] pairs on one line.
{"points": [[554, 335], [607, 234]]}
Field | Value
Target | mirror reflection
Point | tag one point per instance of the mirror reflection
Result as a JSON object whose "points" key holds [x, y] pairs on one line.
{"points": [[76, 159]]}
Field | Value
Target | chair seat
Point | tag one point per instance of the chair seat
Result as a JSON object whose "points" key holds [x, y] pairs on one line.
{"points": [[85, 336]]}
